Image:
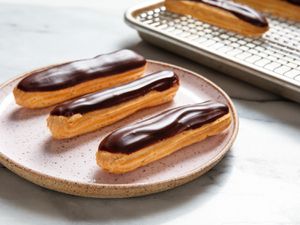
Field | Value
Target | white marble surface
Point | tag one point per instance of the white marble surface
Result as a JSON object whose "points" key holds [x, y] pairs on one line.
{"points": [[258, 182]]}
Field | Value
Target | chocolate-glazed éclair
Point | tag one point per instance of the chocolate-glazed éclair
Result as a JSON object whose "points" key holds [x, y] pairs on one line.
{"points": [[224, 14], [99, 109], [158, 81], [72, 73], [241, 11], [134, 137]]}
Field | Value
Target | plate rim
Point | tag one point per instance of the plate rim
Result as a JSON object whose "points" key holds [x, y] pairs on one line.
{"points": [[121, 190]]}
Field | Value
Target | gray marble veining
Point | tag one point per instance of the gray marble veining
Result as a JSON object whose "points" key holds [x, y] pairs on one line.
{"points": [[258, 182]]}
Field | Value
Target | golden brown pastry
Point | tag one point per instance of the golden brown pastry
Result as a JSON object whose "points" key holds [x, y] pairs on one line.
{"points": [[289, 9], [55, 84], [222, 13], [151, 139], [93, 111]]}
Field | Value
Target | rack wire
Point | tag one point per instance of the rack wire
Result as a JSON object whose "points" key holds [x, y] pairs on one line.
{"points": [[277, 53]]}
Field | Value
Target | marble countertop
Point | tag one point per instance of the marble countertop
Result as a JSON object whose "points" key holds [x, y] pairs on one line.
{"points": [[258, 182]]}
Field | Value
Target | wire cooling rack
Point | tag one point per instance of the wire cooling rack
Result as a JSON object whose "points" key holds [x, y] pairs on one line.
{"points": [[275, 57]]}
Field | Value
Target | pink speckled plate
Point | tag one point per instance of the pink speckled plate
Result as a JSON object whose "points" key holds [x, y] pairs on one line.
{"points": [[69, 166]]}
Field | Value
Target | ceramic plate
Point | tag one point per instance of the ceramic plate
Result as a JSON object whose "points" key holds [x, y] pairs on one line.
{"points": [[69, 166]]}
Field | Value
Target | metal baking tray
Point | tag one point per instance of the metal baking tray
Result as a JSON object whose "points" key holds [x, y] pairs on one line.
{"points": [[271, 62]]}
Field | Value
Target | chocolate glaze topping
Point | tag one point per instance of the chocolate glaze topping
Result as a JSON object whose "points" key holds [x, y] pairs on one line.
{"points": [[296, 2], [158, 81], [241, 11], [72, 73], [167, 124]]}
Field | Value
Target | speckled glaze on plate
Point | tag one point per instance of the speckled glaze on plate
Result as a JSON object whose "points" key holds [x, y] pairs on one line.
{"points": [[69, 166]]}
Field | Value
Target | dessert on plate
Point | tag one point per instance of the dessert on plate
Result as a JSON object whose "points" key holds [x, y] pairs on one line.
{"points": [[148, 140], [58, 83], [96, 110]]}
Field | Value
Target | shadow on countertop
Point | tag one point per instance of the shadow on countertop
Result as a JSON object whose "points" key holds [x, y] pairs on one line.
{"points": [[18, 194]]}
